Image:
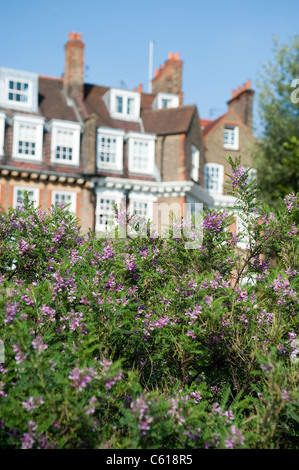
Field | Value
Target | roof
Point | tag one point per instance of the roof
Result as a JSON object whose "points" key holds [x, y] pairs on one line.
{"points": [[94, 103], [52, 101], [225, 118], [168, 121], [53, 104]]}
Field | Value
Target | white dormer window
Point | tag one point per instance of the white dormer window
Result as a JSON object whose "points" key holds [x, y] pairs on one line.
{"points": [[214, 178], [123, 104], [165, 101], [65, 142], [231, 137], [141, 153], [27, 137], [65, 197], [2, 133], [110, 149], [19, 90], [194, 163]]}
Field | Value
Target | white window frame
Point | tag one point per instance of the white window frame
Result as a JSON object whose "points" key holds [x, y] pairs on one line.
{"points": [[219, 189], [143, 199], [7, 75], [34, 121], [118, 135], [172, 99], [56, 126], [242, 232], [150, 139], [2, 132], [25, 188], [14, 91], [195, 159], [232, 130], [72, 194], [110, 99], [106, 194]]}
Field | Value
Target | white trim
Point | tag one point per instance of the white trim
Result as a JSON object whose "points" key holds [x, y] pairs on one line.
{"points": [[149, 139], [159, 188], [119, 137], [110, 99], [195, 158], [2, 132], [25, 188], [72, 194], [74, 129], [20, 120], [235, 131], [241, 230]]}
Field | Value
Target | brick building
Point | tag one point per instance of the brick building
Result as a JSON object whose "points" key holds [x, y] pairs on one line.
{"points": [[229, 135], [91, 146]]}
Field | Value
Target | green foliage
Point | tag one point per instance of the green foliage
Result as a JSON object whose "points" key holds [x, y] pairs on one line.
{"points": [[277, 157], [142, 343]]}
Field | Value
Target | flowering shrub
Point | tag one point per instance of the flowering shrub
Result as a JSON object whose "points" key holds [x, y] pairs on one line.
{"points": [[142, 343]]}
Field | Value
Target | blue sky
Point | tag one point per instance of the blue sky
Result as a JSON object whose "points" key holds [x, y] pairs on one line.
{"points": [[222, 43]]}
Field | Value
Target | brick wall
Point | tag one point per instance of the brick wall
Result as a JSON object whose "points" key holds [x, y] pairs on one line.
{"points": [[85, 202], [170, 157], [45, 164], [242, 105], [194, 137], [215, 153], [74, 66]]}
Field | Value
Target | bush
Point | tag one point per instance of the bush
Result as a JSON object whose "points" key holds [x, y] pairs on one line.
{"points": [[141, 343]]}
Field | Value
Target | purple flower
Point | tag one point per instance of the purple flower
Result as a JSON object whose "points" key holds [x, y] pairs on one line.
{"points": [[285, 395], [39, 345], [32, 403], [10, 310], [81, 378], [19, 356], [191, 334], [238, 178], [236, 439]]}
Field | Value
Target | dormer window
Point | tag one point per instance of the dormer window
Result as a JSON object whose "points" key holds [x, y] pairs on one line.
{"points": [[123, 104], [20, 90], [27, 137], [165, 101], [130, 106], [119, 104], [141, 152], [65, 142], [231, 137]]}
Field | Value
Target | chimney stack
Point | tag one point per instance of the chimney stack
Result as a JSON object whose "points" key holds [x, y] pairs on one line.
{"points": [[241, 102], [168, 79], [74, 66]]}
